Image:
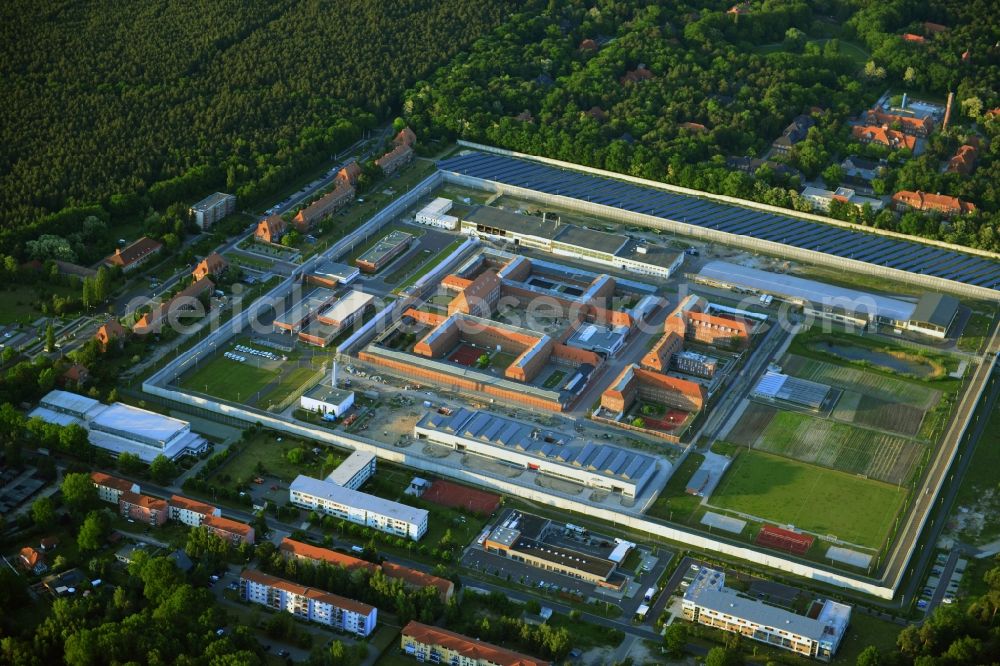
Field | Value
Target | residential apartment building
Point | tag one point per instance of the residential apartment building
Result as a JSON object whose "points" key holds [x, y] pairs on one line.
{"points": [[928, 202], [341, 195], [401, 154], [233, 531], [817, 634], [191, 512], [143, 508], [353, 472], [212, 208], [308, 603], [691, 319], [822, 199], [357, 507], [910, 125], [110, 488], [426, 643], [132, 256]]}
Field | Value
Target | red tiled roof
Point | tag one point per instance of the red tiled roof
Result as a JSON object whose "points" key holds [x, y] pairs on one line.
{"points": [[312, 593], [405, 137], [919, 125], [145, 501], [213, 264], [884, 136], [694, 127], [932, 202], [191, 505], [963, 160], [110, 330], [134, 252], [108, 481], [913, 39], [415, 578], [227, 525], [468, 647], [309, 552], [271, 227], [75, 373], [31, 557], [588, 45]]}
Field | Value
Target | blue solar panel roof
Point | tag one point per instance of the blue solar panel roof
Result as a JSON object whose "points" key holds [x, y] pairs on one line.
{"points": [[894, 253]]}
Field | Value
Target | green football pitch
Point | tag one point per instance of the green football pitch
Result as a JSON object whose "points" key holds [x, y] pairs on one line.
{"points": [[814, 499]]}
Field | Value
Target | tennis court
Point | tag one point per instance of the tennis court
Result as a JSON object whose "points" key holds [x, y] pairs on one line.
{"points": [[465, 355], [455, 496]]}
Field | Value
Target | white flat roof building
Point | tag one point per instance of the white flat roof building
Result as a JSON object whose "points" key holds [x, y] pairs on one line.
{"points": [[328, 400], [120, 428], [707, 601], [346, 310], [435, 214], [353, 472], [357, 507], [548, 452]]}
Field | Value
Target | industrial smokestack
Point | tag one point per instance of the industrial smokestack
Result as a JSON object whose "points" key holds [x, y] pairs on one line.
{"points": [[333, 375], [947, 111]]}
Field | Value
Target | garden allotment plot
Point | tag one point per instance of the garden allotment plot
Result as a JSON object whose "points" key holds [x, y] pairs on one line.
{"points": [[840, 446]]}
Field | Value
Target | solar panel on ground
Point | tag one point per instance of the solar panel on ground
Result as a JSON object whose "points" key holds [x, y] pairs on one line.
{"points": [[700, 212]]}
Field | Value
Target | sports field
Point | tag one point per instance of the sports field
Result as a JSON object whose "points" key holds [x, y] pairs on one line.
{"points": [[813, 499], [829, 443], [254, 382]]}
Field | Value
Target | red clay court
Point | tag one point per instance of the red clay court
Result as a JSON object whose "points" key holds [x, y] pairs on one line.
{"points": [[664, 424], [792, 542], [455, 496], [465, 355]]}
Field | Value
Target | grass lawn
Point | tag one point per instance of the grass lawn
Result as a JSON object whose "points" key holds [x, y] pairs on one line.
{"points": [[19, 304], [245, 261], [229, 380], [265, 448], [818, 500], [587, 634], [866, 630], [673, 503], [848, 49], [976, 329], [429, 266], [552, 380], [291, 382]]}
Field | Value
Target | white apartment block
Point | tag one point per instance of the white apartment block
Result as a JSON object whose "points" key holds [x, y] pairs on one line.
{"points": [[353, 472], [357, 507], [707, 601], [308, 603], [110, 488], [435, 214], [191, 512]]}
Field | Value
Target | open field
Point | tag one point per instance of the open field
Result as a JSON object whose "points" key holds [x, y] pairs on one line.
{"points": [[976, 329], [866, 410], [673, 503], [263, 454], [856, 53], [832, 444], [811, 498]]}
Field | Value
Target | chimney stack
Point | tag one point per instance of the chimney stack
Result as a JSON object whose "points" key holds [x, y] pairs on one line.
{"points": [[947, 111]]}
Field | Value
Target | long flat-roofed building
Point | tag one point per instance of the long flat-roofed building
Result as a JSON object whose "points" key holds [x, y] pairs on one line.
{"points": [[932, 315], [357, 507], [119, 428], [308, 603], [546, 452], [568, 240], [817, 634], [426, 643], [354, 471], [295, 318], [384, 251], [330, 274], [329, 322]]}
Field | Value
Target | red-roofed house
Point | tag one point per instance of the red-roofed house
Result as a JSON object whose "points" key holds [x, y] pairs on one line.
{"points": [[143, 508], [697, 128], [33, 560], [636, 75], [588, 45], [110, 332], [271, 229], [134, 255], [964, 159], [427, 643], [349, 174], [884, 136], [230, 530], [740, 9], [910, 38], [925, 201], [341, 195], [76, 375], [110, 488], [211, 266], [183, 301], [406, 137]]}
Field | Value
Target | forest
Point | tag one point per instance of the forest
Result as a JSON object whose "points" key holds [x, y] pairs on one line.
{"points": [[670, 91], [109, 116]]}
